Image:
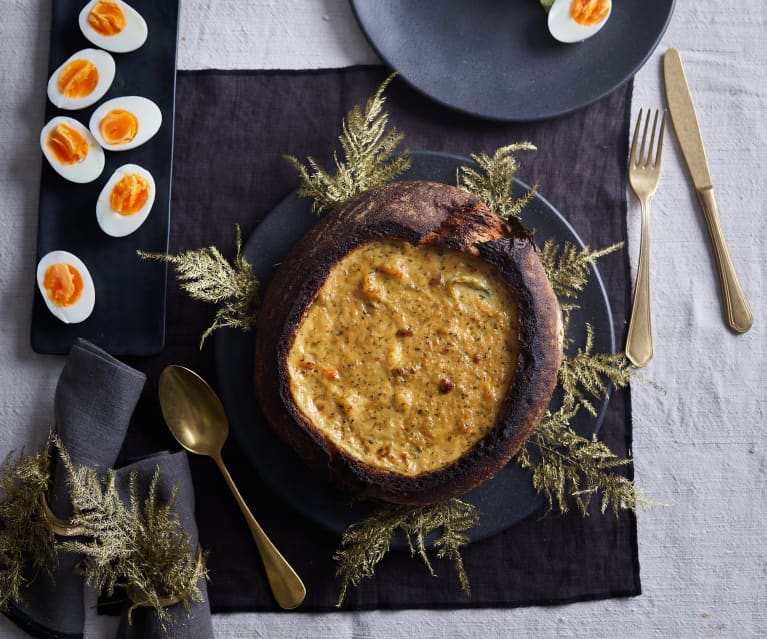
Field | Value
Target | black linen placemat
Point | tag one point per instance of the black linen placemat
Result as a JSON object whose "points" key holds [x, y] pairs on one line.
{"points": [[232, 129]]}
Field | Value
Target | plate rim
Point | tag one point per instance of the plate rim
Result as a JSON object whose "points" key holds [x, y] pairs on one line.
{"points": [[512, 118]]}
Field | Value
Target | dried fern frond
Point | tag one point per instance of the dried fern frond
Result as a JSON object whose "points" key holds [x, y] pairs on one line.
{"points": [[567, 316], [142, 544], [587, 373], [567, 465], [206, 275], [369, 157], [25, 536], [364, 544], [493, 183], [569, 268], [459, 517]]}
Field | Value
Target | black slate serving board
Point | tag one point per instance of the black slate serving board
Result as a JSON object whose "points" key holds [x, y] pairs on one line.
{"points": [[129, 315]]}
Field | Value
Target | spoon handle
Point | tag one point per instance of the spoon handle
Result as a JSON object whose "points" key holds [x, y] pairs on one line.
{"points": [[287, 587]]}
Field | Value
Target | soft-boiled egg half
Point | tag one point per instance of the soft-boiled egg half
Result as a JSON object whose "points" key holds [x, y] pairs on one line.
{"points": [[125, 201], [72, 150], [113, 25], [66, 286], [125, 123], [576, 20], [82, 80]]}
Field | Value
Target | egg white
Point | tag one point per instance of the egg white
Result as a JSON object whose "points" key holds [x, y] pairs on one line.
{"points": [[114, 223], [83, 307], [565, 29], [87, 169], [130, 38], [105, 66], [146, 112]]}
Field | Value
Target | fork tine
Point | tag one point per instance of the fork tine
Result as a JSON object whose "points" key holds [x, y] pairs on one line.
{"points": [[633, 152], [659, 153], [651, 147], [644, 139]]}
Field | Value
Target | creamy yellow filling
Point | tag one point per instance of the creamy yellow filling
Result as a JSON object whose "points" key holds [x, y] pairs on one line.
{"points": [[406, 354]]}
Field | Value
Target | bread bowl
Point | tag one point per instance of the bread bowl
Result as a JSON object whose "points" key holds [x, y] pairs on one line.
{"points": [[409, 344]]}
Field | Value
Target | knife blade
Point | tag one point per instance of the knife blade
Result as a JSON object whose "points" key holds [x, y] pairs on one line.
{"points": [[736, 309]]}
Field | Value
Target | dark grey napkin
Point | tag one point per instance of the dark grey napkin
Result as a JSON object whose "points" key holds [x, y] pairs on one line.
{"points": [[174, 472], [95, 398]]}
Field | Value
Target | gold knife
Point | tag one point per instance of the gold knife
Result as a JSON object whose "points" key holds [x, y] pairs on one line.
{"points": [[736, 308]]}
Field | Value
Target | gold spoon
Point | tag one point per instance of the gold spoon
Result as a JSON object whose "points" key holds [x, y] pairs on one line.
{"points": [[197, 419]]}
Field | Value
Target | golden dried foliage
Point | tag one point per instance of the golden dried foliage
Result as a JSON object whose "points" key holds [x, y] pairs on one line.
{"points": [[370, 158], [142, 544], [208, 277], [366, 543], [587, 374], [566, 465], [26, 539], [569, 267], [493, 183]]}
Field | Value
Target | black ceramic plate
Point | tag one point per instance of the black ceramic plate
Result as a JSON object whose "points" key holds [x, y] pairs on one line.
{"points": [[129, 316], [502, 501], [496, 58]]}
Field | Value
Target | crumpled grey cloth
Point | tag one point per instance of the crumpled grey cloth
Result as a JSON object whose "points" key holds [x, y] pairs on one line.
{"points": [[174, 472], [95, 398]]}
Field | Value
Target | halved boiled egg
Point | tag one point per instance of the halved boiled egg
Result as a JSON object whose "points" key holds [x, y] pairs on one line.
{"points": [[66, 286], [125, 123], [113, 25], [125, 201], [576, 20], [72, 150], [82, 80]]}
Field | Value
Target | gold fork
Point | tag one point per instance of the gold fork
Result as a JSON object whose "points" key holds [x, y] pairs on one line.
{"points": [[644, 173]]}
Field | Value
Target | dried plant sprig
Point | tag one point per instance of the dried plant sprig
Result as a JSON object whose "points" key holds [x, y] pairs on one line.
{"points": [[569, 267], [567, 316], [567, 465], [493, 183], [207, 276], [587, 374], [364, 544], [26, 539], [370, 160], [459, 517], [142, 544]]}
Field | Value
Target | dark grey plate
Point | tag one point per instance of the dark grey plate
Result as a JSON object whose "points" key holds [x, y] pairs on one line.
{"points": [[496, 59], [129, 316], [502, 501]]}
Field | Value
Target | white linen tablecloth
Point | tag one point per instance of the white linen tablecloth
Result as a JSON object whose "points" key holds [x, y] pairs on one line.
{"points": [[699, 443]]}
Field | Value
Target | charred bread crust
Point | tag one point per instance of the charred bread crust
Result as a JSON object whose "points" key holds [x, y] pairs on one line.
{"points": [[421, 213]]}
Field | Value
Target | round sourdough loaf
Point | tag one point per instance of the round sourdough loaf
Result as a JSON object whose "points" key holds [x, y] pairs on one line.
{"points": [[340, 372]]}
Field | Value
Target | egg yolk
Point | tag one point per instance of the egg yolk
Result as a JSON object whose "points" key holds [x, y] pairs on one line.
{"points": [[589, 12], [67, 145], [63, 284], [78, 78], [130, 194], [118, 127], [106, 18]]}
